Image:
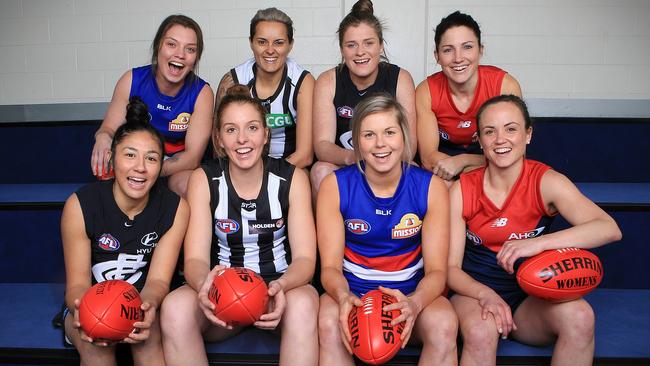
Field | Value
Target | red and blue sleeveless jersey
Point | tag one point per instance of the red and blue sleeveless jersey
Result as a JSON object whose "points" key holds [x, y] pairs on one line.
{"points": [[457, 129], [523, 215], [383, 242], [168, 114]]}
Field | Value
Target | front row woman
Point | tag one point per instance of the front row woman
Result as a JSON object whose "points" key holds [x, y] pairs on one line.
{"points": [[383, 223], [245, 188], [498, 215], [128, 228]]}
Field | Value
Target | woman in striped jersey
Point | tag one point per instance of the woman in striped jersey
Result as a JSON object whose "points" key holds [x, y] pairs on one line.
{"points": [[250, 211], [384, 224]]}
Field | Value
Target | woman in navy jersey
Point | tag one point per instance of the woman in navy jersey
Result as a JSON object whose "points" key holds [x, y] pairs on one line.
{"points": [[363, 71], [493, 206], [447, 101], [270, 229], [128, 228], [180, 102], [284, 88], [385, 224]]}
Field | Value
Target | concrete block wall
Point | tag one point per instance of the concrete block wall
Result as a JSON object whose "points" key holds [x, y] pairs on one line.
{"points": [[73, 51]]}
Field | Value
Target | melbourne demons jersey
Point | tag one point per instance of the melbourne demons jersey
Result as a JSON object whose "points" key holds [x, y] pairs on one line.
{"points": [[122, 248], [522, 216], [383, 242], [251, 233], [347, 96], [458, 130], [170, 115], [281, 107]]}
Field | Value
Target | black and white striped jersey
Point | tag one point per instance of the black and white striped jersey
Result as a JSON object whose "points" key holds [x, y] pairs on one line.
{"points": [[251, 233], [281, 107]]}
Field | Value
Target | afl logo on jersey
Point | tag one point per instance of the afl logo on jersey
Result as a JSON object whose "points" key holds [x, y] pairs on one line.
{"points": [[408, 226], [108, 242], [344, 112], [357, 226], [226, 226], [473, 237]]}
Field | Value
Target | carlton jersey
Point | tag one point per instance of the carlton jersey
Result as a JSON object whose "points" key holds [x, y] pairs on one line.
{"points": [[170, 115], [281, 107], [383, 242], [522, 216], [251, 233], [122, 248], [457, 130], [347, 96]]}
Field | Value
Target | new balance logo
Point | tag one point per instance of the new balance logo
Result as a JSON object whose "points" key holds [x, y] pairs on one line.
{"points": [[500, 222]]}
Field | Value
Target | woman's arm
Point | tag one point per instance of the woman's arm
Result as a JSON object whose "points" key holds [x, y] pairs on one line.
{"points": [[196, 138], [76, 252], [406, 97], [591, 226], [324, 122], [510, 85], [427, 128], [115, 115], [225, 83], [304, 153]]}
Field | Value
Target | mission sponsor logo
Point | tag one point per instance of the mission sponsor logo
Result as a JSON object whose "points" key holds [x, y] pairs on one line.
{"points": [[473, 237], [265, 226], [345, 112], [181, 123], [108, 242], [408, 226], [279, 120], [357, 226], [226, 226], [527, 234]]}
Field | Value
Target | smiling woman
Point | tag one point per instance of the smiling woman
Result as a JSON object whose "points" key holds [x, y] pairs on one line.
{"points": [[180, 103]]}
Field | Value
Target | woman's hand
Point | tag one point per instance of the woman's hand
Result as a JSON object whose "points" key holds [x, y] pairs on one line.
{"points": [[277, 304], [345, 306], [204, 302], [492, 303], [82, 335], [409, 312], [99, 162], [448, 168], [515, 249], [142, 328]]}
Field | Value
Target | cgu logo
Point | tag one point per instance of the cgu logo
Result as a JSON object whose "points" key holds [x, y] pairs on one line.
{"points": [[345, 111], [526, 235], [226, 226], [108, 242], [276, 120], [357, 226], [473, 238]]}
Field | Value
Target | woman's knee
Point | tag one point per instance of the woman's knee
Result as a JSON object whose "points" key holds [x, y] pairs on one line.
{"points": [[577, 320], [439, 326], [178, 312], [302, 308], [328, 323], [479, 333]]}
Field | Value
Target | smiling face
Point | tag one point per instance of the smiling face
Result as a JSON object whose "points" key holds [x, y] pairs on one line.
{"points": [[242, 135], [270, 46], [361, 50], [136, 162], [503, 134], [177, 56], [381, 142], [458, 54]]}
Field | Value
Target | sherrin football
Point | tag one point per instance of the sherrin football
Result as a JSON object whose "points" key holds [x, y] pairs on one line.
{"points": [[560, 274], [374, 340], [239, 295]]}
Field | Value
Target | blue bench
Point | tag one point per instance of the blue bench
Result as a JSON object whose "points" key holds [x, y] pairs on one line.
{"points": [[622, 331]]}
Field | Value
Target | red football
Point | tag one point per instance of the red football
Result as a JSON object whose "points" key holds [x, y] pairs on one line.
{"points": [[240, 296], [109, 309], [561, 274], [374, 340]]}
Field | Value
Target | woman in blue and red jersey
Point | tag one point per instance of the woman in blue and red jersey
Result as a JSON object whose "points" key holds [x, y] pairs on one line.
{"points": [[499, 214], [384, 224]]}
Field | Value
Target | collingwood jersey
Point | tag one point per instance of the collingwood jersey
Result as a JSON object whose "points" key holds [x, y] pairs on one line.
{"points": [[251, 233], [281, 107], [121, 249]]}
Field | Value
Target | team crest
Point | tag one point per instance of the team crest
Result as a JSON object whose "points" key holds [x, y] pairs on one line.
{"points": [[409, 225], [226, 226], [108, 242], [181, 122]]}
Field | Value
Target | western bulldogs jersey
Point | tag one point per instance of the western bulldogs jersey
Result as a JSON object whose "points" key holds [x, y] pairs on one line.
{"points": [[251, 233], [457, 130], [383, 242], [281, 107], [522, 216], [169, 114], [347, 96], [122, 248]]}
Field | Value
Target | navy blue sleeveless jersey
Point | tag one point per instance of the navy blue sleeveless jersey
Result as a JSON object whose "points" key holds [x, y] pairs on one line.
{"points": [[121, 249], [171, 115], [382, 235]]}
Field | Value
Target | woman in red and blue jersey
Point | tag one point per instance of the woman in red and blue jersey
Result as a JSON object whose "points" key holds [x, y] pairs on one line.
{"points": [[384, 224]]}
